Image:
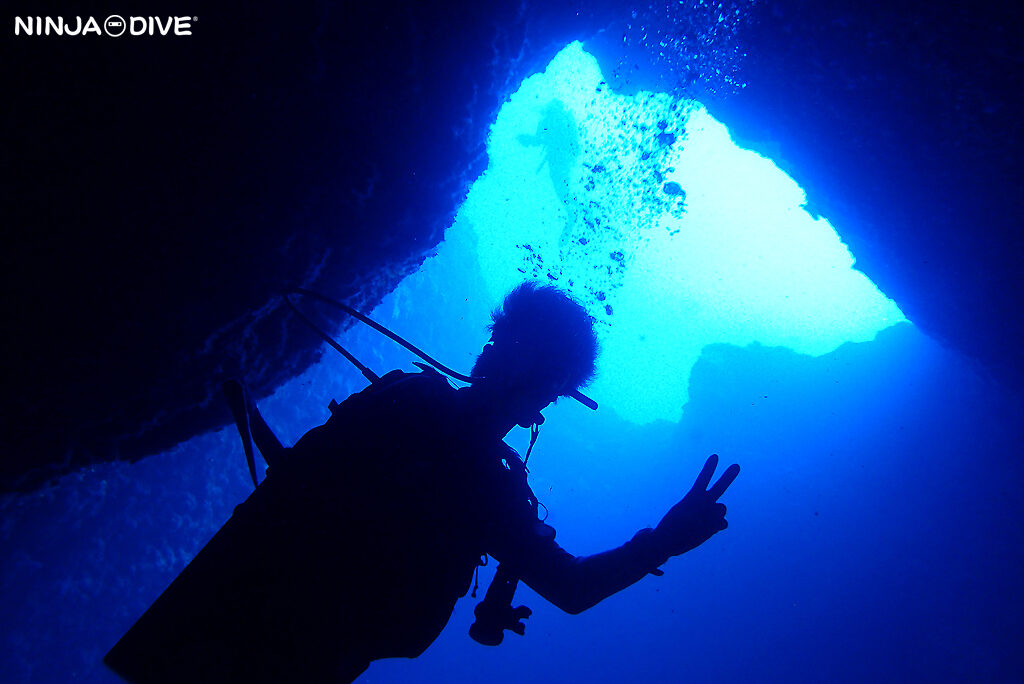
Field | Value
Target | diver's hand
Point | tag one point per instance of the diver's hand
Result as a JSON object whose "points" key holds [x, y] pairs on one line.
{"points": [[696, 518]]}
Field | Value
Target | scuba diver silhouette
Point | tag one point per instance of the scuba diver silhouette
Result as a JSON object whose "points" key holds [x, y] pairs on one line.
{"points": [[365, 533]]}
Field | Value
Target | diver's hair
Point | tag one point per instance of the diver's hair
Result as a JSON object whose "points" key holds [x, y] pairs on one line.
{"points": [[540, 333]]}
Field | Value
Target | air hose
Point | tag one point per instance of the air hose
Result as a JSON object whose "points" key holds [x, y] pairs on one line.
{"points": [[369, 374]]}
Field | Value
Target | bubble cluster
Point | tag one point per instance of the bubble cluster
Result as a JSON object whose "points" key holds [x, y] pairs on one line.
{"points": [[609, 158], [693, 44]]}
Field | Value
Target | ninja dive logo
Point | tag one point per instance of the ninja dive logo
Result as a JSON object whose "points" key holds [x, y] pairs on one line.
{"points": [[114, 26]]}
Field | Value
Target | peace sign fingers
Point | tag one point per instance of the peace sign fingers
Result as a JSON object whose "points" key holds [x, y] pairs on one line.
{"points": [[723, 483], [704, 479]]}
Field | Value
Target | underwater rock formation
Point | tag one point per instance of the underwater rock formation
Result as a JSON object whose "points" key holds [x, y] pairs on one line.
{"points": [[165, 193], [903, 123]]}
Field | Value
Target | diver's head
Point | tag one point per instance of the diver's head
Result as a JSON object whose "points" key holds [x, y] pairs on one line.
{"points": [[542, 346]]}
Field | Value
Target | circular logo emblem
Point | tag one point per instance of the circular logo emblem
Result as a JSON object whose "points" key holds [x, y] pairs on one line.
{"points": [[115, 25]]}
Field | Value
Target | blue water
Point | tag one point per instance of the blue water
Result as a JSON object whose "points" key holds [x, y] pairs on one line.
{"points": [[874, 531]]}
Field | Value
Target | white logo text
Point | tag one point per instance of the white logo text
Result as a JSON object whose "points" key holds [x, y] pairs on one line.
{"points": [[113, 26]]}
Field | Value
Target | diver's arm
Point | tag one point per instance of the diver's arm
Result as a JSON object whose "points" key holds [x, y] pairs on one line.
{"points": [[575, 584]]}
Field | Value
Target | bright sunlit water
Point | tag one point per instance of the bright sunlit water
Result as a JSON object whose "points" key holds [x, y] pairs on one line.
{"points": [[674, 237]]}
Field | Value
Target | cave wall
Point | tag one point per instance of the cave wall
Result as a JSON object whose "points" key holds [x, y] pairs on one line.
{"points": [[160, 194]]}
